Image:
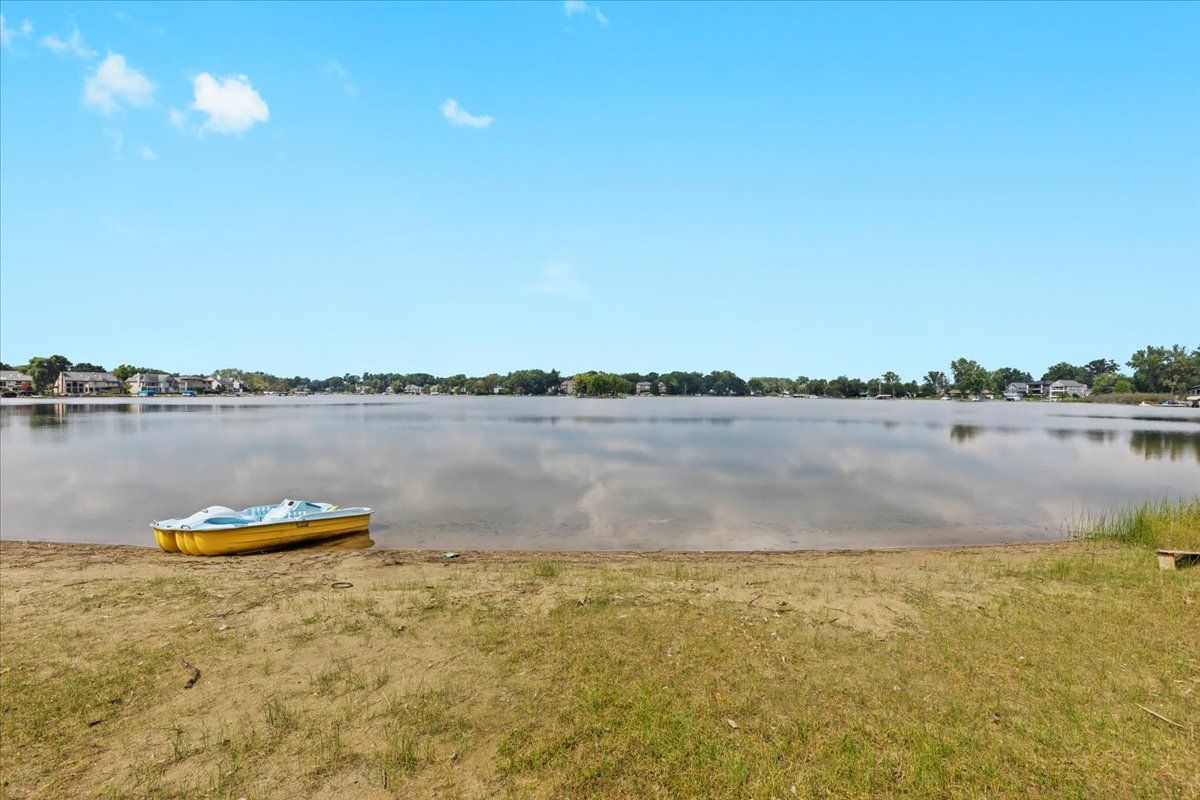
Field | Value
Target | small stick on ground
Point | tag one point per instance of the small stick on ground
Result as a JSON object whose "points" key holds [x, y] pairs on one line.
{"points": [[1154, 713], [195, 676]]}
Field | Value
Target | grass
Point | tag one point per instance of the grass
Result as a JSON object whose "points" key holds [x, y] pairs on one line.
{"points": [[1161, 523], [990, 672]]}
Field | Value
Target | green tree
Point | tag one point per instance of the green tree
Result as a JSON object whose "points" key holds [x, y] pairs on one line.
{"points": [[84, 366], [890, 379], [969, 376], [842, 386], [724, 382], [1006, 375], [600, 384], [935, 383], [126, 371], [1110, 383], [1149, 367], [1100, 366], [1062, 371], [1181, 369], [44, 370]]}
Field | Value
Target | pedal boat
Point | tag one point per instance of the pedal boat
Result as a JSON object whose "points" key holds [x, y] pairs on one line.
{"points": [[221, 531]]}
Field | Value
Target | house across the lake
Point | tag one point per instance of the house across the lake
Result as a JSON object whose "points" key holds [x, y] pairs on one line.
{"points": [[13, 381], [87, 383], [193, 383], [644, 388], [1017, 390], [1061, 388], [152, 383], [1058, 388]]}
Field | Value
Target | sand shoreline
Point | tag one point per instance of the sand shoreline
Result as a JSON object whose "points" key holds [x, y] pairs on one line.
{"points": [[501, 554], [915, 672]]}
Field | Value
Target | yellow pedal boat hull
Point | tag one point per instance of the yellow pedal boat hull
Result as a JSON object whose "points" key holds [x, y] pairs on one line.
{"points": [[254, 538]]}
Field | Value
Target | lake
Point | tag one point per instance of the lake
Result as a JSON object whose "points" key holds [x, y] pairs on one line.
{"points": [[557, 473]]}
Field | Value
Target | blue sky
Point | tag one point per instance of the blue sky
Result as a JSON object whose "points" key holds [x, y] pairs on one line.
{"points": [[774, 189]]}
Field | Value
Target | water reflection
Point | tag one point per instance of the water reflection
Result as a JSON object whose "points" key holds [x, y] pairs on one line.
{"points": [[547, 473], [964, 433], [1173, 445]]}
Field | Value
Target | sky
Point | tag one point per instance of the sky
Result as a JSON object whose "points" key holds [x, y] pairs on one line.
{"points": [[775, 189]]}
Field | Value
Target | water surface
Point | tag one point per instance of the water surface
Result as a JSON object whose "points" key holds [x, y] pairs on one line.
{"points": [[567, 474]]}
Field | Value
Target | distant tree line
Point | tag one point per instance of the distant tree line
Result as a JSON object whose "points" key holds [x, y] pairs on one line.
{"points": [[1152, 369]]}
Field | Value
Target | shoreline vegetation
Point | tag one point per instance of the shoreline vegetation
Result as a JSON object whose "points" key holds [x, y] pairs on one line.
{"points": [[1156, 374], [1064, 669]]}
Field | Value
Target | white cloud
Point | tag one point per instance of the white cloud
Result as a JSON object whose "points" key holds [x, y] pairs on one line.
{"points": [[559, 279], [72, 45], [177, 118], [460, 116], [336, 70], [8, 35], [231, 103], [573, 7], [146, 153], [115, 83]]}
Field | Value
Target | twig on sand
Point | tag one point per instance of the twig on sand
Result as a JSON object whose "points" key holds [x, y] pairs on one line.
{"points": [[1154, 713], [195, 676]]}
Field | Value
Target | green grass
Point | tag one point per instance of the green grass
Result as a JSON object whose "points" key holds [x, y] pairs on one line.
{"points": [[1004, 672], [1160, 524]]}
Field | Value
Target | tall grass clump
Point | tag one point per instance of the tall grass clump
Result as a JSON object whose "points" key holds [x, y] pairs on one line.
{"points": [[1162, 523]]}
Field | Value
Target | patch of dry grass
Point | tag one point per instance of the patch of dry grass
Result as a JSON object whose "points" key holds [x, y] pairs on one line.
{"points": [[998, 672]]}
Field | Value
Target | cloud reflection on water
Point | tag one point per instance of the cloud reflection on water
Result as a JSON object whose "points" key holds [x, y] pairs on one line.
{"points": [[572, 474]]}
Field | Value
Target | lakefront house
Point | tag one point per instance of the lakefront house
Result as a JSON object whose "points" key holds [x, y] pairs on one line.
{"points": [[156, 382], [87, 383], [1060, 388], [193, 383], [1049, 389], [13, 381]]}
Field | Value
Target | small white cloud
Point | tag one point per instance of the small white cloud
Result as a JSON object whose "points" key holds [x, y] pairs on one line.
{"points": [[231, 103], [457, 115], [573, 7], [114, 83], [336, 70], [117, 139], [72, 45], [559, 279], [9, 35], [147, 154]]}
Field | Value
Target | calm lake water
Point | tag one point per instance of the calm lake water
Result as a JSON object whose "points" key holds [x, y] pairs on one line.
{"points": [[565, 474]]}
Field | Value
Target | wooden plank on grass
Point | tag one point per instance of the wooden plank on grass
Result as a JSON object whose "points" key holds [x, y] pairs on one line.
{"points": [[1173, 559]]}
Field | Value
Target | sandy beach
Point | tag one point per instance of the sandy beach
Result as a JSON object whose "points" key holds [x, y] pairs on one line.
{"points": [[1008, 671]]}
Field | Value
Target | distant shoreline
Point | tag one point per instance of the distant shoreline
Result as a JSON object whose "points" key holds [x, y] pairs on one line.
{"points": [[1123, 400]]}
